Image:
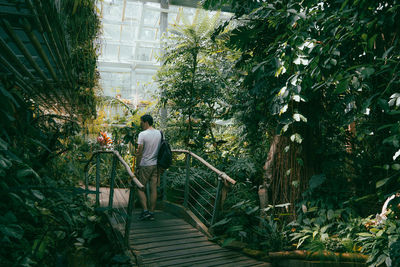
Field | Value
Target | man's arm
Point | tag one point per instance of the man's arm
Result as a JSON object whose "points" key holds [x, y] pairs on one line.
{"points": [[139, 153]]}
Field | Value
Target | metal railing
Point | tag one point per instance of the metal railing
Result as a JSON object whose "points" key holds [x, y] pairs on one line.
{"points": [[197, 190], [118, 189]]}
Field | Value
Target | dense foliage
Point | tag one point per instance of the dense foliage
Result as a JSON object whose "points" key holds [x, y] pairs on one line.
{"points": [[323, 76], [192, 82], [314, 68], [46, 220]]}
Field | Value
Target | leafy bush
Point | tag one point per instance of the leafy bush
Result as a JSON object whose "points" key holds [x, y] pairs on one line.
{"points": [[242, 222], [381, 241], [46, 221]]}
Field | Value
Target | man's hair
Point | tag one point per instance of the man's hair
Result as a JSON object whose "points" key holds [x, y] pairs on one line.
{"points": [[147, 118]]}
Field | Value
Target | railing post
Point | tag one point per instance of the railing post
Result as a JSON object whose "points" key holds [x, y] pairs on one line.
{"points": [[129, 215], [98, 179], [112, 179], [217, 199], [186, 196]]}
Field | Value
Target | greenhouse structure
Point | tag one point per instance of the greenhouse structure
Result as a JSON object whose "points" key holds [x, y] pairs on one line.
{"points": [[200, 133]]}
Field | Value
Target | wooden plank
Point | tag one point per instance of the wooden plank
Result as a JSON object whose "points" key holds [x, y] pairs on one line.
{"points": [[159, 229], [188, 261], [247, 262], [264, 264], [168, 243], [165, 238], [158, 215], [165, 232], [189, 252], [208, 253], [156, 223], [236, 260], [175, 247]]}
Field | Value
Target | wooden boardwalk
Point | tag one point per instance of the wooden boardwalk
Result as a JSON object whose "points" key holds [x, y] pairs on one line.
{"points": [[170, 241]]}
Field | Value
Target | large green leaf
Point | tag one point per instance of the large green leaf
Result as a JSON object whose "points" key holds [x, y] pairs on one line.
{"points": [[382, 182], [12, 230], [316, 181]]}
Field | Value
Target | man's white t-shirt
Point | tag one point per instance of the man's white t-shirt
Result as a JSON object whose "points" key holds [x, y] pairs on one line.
{"points": [[150, 139]]}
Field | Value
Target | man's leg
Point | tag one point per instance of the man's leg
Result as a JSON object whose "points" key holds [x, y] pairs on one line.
{"points": [[142, 199], [142, 193], [153, 189]]}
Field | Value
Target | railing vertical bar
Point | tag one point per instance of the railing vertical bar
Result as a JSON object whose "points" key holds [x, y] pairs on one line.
{"points": [[112, 179], [98, 179], [129, 215], [217, 199], [185, 202]]}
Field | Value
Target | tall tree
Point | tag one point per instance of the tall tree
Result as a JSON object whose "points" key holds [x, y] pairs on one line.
{"points": [[191, 79]]}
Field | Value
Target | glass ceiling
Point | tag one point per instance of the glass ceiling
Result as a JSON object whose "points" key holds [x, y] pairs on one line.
{"points": [[130, 45]]}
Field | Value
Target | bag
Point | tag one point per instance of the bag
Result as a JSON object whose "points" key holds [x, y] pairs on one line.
{"points": [[164, 158]]}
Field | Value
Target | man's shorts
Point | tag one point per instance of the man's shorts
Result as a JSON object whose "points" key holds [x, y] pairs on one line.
{"points": [[148, 174]]}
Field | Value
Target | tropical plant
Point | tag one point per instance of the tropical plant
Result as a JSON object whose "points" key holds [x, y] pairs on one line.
{"points": [[46, 219], [242, 223], [191, 80], [380, 242], [323, 74]]}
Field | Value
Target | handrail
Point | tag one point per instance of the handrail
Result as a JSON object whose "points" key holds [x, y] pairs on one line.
{"points": [[221, 188], [134, 179], [129, 210], [220, 173]]}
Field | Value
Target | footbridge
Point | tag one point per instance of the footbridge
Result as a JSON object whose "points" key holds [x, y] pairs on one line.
{"points": [[191, 195]]}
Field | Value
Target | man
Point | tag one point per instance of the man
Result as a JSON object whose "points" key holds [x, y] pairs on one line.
{"points": [[146, 164]]}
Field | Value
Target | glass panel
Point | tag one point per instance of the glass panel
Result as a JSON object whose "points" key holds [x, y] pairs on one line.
{"points": [[128, 33], [172, 18], [151, 17], [132, 11], [123, 36], [143, 78], [174, 8], [114, 84], [143, 53], [153, 5], [111, 52], [111, 31], [126, 53], [113, 9], [189, 14], [147, 54], [149, 34], [145, 87]]}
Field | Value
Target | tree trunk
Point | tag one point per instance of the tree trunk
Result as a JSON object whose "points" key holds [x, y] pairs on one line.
{"points": [[287, 170]]}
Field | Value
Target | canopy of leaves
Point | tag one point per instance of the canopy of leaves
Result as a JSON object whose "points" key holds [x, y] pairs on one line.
{"points": [[309, 70]]}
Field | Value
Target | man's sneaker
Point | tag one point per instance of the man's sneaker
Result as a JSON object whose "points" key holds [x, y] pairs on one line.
{"points": [[145, 215], [151, 216]]}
